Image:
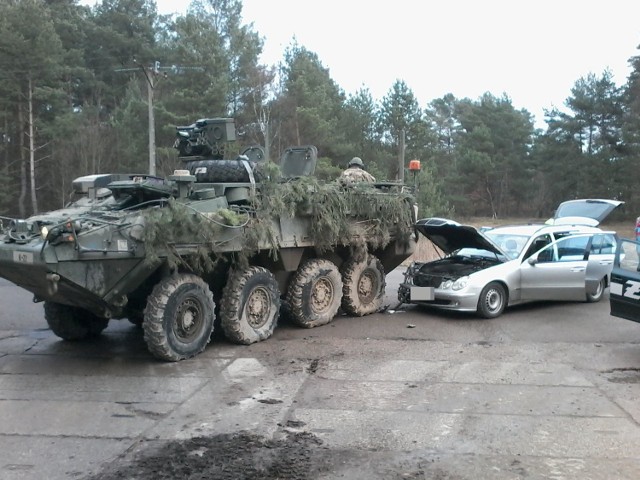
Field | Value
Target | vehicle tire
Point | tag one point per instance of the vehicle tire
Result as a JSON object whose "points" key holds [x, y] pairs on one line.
{"points": [[596, 297], [363, 286], [250, 305], [492, 301], [221, 171], [178, 318], [96, 324], [72, 323], [285, 312], [315, 293]]}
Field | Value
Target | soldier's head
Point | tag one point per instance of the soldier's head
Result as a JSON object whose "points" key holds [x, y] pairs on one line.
{"points": [[356, 162]]}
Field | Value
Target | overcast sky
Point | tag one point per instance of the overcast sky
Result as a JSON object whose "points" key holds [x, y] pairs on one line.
{"points": [[532, 50]]}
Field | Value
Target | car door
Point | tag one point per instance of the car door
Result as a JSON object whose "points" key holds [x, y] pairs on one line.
{"points": [[603, 247], [601, 256], [558, 271], [624, 291]]}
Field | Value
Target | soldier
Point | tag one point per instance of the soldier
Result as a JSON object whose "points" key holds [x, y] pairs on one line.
{"points": [[355, 172]]}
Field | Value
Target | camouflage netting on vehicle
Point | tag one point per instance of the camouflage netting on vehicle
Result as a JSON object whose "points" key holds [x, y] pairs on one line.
{"points": [[177, 224], [358, 216], [341, 215]]}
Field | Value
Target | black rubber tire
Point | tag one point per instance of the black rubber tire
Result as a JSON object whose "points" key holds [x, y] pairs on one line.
{"points": [[492, 300], [315, 293], [596, 297], [178, 318], [72, 323], [285, 312], [96, 324], [363, 286], [222, 171], [250, 305]]}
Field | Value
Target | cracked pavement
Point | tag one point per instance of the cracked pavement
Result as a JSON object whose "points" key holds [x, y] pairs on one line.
{"points": [[545, 391]]}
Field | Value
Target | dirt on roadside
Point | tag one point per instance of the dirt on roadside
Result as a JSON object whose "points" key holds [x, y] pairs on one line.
{"points": [[243, 455]]}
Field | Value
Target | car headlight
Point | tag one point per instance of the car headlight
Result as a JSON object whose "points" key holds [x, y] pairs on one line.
{"points": [[446, 284], [460, 283]]}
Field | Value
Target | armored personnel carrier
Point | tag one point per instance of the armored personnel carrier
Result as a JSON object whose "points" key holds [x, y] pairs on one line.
{"points": [[221, 243]]}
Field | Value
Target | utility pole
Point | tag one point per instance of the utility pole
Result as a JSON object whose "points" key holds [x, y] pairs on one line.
{"points": [[150, 74], [152, 119], [401, 149]]}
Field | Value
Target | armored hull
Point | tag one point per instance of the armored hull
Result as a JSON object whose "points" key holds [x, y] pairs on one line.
{"points": [[181, 255]]}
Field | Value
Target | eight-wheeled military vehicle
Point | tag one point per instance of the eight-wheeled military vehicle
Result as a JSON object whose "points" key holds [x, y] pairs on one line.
{"points": [[223, 242]]}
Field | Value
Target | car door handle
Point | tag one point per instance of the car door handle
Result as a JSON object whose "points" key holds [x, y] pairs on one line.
{"points": [[578, 269], [605, 262]]}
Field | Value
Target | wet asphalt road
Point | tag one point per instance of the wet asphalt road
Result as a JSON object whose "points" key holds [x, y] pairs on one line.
{"points": [[545, 391]]}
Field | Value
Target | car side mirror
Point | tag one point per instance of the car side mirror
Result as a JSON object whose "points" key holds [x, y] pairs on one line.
{"points": [[532, 260]]}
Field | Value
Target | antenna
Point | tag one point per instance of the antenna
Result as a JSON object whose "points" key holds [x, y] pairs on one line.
{"points": [[150, 73]]}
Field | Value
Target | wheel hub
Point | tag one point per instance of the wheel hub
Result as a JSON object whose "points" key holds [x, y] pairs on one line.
{"points": [[322, 295], [493, 300], [258, 308], [188, 320], [366, 286]]}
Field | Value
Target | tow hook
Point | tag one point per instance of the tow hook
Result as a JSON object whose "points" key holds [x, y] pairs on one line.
{"points": [[52, 285]]}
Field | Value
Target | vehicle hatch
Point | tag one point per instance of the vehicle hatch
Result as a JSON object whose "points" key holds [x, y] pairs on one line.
{"points": [[590, 212], [298, 161]]}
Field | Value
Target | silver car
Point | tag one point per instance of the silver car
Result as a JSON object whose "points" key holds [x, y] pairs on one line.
{"points": [[567, 258]]}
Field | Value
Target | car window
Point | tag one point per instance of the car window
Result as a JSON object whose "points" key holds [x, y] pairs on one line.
{"points": [[609, 244], [540, 242], [568, 249], [596, 209], [629, 256], [596, 244], [603, 244], [559, 235]]}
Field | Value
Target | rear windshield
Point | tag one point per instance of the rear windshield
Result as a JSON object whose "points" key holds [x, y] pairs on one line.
{"points": [[588, 209]]}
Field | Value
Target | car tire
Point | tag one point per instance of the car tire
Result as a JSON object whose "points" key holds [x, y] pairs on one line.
{"points": [[596, 297], [492, 301]]}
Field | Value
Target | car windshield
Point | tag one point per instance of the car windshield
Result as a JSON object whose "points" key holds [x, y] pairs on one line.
{"points": [[511, 244]]}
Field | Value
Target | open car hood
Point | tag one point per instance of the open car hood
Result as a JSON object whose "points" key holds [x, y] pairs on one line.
{"points": [[589, 212], [450, 236]]}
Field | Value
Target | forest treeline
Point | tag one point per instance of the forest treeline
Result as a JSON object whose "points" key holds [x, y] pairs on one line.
{"points": [[75, 84]]}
